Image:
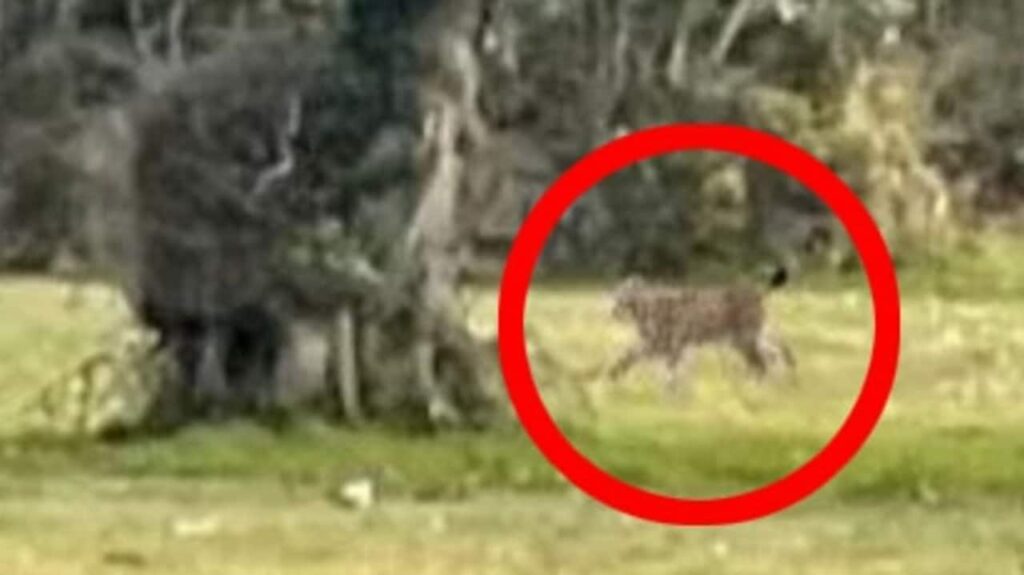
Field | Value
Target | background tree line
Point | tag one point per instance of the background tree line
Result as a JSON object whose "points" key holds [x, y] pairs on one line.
{"points": [[290, 192]]}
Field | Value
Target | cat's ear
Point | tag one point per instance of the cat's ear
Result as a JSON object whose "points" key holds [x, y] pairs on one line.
{"points": [[632, 281], [625, 288]]}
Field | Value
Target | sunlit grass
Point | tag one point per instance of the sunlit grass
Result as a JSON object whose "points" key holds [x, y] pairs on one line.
{"points": [[217, 529], [937, 489], [46, 330], [956, 396]]}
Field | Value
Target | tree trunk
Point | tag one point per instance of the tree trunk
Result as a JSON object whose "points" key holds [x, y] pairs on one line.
{"points": [[451, 116], [345, 360], [433, 236]]}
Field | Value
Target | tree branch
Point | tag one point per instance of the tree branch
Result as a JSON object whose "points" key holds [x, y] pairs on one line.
{"points": [[175, 24], [284, 167], [737, 18], [67, 14], [680, 56], [143, 37]]}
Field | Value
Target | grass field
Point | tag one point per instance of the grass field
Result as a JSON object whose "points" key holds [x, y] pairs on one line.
{"points": [[938, 489]]}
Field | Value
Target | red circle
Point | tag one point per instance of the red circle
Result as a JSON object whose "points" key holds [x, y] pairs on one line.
{"points": [[625, 152]]}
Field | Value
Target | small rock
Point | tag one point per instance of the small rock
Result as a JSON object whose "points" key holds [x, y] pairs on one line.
{"points": [[196, 527], [357, 494]]}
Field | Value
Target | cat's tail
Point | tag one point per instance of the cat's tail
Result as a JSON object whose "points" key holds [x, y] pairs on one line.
{"points": [[777, 277]]}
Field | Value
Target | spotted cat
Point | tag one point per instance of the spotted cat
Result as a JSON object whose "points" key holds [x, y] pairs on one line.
{"points": [[671, 322]]}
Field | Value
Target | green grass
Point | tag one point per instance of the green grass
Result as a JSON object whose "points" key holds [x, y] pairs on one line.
{"points": [[937, 489], [222, 529], [45, 333]]}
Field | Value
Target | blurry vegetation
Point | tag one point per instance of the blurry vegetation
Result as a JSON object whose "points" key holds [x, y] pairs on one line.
{"points": [[291, 193], [202, 184]]}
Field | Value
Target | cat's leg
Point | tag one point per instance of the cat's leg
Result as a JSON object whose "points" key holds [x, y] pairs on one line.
{"points": [[626, 362], [677, 368], [751, 349], [778, 355]]}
